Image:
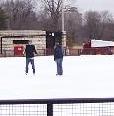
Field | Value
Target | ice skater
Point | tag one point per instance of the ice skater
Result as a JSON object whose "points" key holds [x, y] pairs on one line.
{"points": [[58, 58], [30, 51]]}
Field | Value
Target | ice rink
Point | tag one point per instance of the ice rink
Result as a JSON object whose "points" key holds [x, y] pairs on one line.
{"points": [[85, 76]]}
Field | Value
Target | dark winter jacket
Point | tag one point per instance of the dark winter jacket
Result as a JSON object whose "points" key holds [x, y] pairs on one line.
{"points": [[58, 52], [30, 50]]}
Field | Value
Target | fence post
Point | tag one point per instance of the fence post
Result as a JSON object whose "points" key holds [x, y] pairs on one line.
{"points": [[49, 109], [1, 45]]}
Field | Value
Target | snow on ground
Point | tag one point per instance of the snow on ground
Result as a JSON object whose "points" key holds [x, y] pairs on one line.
{"points": [[85, 76]]}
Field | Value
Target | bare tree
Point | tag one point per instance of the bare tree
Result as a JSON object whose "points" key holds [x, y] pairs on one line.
{"points": [[20, 13], [107, 24], [53, 7], [93, 20], [73, 23], [3, 19], [96, 23]]}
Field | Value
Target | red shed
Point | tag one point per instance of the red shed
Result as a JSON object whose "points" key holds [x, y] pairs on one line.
{"points": [[94, 47]]}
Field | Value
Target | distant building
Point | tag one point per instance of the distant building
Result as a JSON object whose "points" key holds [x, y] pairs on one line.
{"points": [[13, 42]]}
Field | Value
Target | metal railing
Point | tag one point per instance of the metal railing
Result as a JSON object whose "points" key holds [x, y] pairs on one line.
{"points": [[69, 52], [42, 52], [58, 107]]}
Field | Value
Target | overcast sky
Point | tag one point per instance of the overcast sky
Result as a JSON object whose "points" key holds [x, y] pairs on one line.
{"points": [[99, 5]]}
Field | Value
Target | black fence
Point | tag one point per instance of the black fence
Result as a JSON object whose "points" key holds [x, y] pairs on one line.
{"points": [[58, 107], [67, 52], [42, 52]]}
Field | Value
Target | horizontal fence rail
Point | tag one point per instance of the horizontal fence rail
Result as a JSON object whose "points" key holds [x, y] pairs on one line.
{"points": [[41, 52], [58, 107], [67, 52]]}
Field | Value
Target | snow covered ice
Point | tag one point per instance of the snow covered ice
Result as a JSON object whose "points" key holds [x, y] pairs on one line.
{"points": [[85, 76]]}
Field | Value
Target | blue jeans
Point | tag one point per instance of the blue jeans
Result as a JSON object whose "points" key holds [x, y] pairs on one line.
{"points": [[59, 66], [30, 60]]}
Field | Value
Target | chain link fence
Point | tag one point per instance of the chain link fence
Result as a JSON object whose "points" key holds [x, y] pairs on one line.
{"points": [[58, 107]]}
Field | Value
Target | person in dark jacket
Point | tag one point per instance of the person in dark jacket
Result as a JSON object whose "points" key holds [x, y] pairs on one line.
{"points": [[30, 51], [58, 58]]}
